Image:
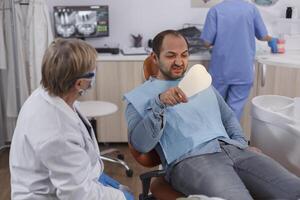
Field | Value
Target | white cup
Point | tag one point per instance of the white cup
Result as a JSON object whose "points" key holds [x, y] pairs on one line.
{"points": [[297, 108], [295, 13]]}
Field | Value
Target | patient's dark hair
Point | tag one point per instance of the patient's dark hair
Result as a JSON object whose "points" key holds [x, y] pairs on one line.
{"points": [[158, 40]]}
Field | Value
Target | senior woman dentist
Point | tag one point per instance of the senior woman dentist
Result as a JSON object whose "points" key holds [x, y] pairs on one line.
{"points": [[54, 153]]}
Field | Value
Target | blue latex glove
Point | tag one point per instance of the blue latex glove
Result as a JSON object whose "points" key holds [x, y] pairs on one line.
{"points": [[108, 181], [273, 45], [128, 195]]}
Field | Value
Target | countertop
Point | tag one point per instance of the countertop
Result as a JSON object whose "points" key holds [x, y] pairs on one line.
{"points": [[120, 57], [291, 58]]}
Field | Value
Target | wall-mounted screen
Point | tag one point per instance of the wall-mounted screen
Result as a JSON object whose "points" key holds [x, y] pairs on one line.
{"points": [[81, 21]]}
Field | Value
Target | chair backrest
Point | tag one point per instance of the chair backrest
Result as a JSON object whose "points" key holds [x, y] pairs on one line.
{"points": [[150, 68]]}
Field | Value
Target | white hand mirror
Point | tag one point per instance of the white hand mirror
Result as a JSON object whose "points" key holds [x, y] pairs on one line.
{"points": [[195, 80]]}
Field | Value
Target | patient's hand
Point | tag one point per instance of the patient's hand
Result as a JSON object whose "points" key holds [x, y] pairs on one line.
{"points": [[254, 149], [173, 96]]}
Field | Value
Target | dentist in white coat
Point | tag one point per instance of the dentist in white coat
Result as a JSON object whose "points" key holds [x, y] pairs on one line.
{"points": [[54, 153]]}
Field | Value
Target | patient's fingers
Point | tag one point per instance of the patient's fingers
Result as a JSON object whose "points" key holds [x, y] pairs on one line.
{"points": [[173, 96], [181, 95]]}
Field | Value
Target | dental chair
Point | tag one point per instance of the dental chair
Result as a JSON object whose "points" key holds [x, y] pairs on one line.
{"points": [[153, 181]]}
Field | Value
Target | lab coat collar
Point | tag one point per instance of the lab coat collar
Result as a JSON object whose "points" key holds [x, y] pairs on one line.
{"points": [[65, 108], [92, 135], [60, 104]]}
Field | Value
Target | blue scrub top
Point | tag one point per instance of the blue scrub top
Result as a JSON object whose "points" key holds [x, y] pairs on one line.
{"points": [[231, 27]]}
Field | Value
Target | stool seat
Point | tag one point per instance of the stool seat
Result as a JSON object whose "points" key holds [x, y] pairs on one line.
{"points": [[97, 108]]}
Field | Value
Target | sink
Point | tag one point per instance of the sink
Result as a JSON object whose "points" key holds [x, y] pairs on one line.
{"points": [[275, 129], [273, 108]]}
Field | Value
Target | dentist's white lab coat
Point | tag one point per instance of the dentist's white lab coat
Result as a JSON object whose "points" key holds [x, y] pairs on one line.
{"points": [[53, 156]]}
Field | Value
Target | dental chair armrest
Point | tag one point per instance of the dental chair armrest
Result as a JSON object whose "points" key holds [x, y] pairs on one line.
{"points": [[146, 180]]}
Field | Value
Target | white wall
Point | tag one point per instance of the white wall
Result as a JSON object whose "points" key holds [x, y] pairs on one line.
{"points": [[148, 17], [272, 14], [289, 29]]}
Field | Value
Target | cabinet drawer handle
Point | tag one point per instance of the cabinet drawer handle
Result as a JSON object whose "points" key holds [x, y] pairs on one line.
{"points": [[263, 74]]}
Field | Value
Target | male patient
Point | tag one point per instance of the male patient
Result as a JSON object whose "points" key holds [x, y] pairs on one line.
{"points": [[199, 139]]}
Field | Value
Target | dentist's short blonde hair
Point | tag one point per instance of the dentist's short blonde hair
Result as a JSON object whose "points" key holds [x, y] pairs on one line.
{"points": [[64, 61]]}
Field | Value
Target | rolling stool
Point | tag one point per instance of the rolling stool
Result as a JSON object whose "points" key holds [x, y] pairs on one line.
{"points": [[93, 109]]}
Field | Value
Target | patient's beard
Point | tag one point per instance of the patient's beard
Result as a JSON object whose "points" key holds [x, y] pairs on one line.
{"points": [[168, 74]]}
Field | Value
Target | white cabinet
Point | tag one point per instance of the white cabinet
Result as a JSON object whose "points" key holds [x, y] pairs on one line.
{"points": [[278, 80], [114, 78]]}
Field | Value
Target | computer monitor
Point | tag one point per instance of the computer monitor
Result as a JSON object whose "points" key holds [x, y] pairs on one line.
{"points": [[81, 21]]}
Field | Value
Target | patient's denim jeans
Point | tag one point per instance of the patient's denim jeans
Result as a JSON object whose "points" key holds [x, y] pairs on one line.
{"points": [[235, 174]]}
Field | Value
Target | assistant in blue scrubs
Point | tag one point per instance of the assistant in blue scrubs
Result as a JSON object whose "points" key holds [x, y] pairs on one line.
{"points": [[231, 28]]}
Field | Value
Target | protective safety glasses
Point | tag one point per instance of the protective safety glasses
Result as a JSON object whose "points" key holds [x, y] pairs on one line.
{"points": [[88, 75]]}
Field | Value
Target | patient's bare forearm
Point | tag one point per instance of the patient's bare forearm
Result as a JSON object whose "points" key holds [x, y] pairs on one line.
{"points": [[266, 38], [207, 44]]}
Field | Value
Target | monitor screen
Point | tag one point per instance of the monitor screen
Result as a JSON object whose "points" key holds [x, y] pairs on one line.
{"points": [[81, 21]]}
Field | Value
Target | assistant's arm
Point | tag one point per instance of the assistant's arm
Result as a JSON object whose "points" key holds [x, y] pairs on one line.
{"points": [[209, 31], [260, 29], [230, 122], [145, 132], [266, 38]]}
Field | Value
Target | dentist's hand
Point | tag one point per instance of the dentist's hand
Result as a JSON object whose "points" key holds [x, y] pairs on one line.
{"points": [[128, 195], [173, 96], [108, 181], [273, 45]]}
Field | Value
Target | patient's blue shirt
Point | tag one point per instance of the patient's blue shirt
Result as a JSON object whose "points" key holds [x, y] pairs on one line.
{"points": [[183, 130]]}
